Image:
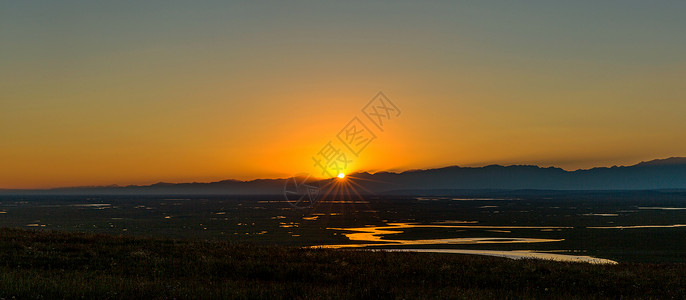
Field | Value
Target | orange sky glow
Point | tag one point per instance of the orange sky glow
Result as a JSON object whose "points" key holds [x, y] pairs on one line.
{"points": [[116, 94]]}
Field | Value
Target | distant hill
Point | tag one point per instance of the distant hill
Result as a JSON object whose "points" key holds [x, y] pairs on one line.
{"points": [[667, 173], [664, 162], [225, 187], [652, 175]]}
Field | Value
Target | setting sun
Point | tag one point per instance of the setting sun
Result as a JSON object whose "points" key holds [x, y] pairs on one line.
{"points": [[221, 134]]}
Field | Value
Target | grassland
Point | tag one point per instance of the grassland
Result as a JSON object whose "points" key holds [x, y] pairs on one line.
{"points": [[54, 265], [267, 220]]}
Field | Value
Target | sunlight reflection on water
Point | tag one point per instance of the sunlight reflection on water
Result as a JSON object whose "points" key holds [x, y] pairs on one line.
{"points": [[375, 236], [522, 254], [638, 226], [96, 205], [601, 215]]}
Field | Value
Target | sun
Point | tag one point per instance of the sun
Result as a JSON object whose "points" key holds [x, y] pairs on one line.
{"points": [[341, 175]]}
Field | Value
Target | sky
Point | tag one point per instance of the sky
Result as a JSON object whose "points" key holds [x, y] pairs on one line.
{"points": [[138, 92]]}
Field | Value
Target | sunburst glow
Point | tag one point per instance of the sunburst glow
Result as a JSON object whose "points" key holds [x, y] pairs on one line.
{"points": [[341, 175]]}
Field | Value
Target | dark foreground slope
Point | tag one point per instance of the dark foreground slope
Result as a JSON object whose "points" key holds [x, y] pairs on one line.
{"points": [[54, 265]]}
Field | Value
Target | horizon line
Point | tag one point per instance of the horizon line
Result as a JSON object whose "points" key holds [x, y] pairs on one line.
{"points": [[371, 172]]}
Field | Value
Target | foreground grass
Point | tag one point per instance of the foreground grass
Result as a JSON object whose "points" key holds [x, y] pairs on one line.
{"points": [[55, 265]]}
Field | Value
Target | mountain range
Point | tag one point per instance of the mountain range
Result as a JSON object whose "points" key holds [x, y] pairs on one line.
{"points": [[658, 174]]}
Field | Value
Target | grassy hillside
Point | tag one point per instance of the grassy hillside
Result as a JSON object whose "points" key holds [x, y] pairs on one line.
{"points": [[53, 265]]}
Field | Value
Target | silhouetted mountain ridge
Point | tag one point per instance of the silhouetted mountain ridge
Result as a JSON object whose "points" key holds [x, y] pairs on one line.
{"points": [[657, 174], [664, 162]]}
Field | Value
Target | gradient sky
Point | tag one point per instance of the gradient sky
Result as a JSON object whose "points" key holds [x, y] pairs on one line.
{"points": [[119, 92]]}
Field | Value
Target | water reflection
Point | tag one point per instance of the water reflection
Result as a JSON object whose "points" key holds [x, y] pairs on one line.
{"points": [[664, 208], [638, 226], [455, 222], [95, 205], [516, 255], [602, 215], [374, 235]]}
